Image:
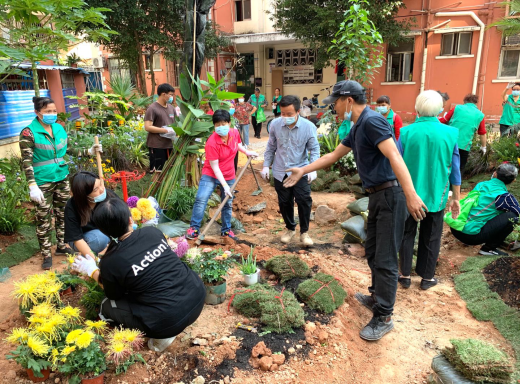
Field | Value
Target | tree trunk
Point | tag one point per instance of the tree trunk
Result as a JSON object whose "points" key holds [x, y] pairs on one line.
{"points": [[36, 81], [140, 67], [152, 73]]}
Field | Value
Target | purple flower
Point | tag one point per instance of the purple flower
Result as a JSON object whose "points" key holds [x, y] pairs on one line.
{"points": [[182, 246], [132, 201]]}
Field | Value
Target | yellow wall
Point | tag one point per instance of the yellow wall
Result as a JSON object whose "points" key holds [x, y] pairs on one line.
{"points": [[9, 149], [260, 21]]}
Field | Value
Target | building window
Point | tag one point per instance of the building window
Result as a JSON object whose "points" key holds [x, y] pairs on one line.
{"points": [[67, 79], [455, 44], [298, 66], [509, 60], [400, 61], [118, 68], [242, 10], [157, 62]]}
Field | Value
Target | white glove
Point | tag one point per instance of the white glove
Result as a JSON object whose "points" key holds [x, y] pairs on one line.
{"points": [[85, 265], [36, 194], [265, 173], [484, 149], [95, 148], [253, 154], [510, 85], [227, 191], [312, 176]]}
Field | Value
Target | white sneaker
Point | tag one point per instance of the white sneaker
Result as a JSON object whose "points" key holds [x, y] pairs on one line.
{"points": [[306, 239], [287, 236], [159, 345]]}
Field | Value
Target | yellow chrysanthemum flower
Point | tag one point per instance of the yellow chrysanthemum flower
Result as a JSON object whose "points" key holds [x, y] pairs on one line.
{"points": [[144, 204], [55, 355], [18, 335], [71, 313], [48, 330], [85, 339], [136, 214], [99, 326], [73, 335], [26, 292], [149, 214], [43, 310], [38, 346], [70, 258], [68, 350]]}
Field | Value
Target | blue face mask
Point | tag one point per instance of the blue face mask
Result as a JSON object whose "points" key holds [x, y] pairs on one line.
{"points": [[232, 111], [381, 109], [222, 130], [289, 120], [101, 197], [347, 115], [49, 118], [170, 99], [515, 92]]}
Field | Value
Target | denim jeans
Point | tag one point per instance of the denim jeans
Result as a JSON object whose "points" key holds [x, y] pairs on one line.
{"points": [[206, 186], [245, 133], [96, 240]]}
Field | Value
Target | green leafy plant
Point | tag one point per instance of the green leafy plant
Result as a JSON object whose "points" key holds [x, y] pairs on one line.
{"points": [[249, 265], [509, 25], [91, 300], [211, 266], [24, 356], [13, 191], [180, 202], [505, 149]]}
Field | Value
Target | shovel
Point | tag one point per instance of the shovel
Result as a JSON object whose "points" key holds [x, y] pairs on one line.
{"points": [[98, 159], [200, 239], [259, 188]]}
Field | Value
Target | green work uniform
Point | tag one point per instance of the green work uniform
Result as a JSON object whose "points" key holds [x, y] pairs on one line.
{"points": [[466, 119], [510, 114], [257, 103], [485, 210], [48, 163], [277, 100], [390, 118], [428, 146]]}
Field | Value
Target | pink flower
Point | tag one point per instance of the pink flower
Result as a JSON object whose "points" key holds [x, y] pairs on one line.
{"points": [[182, 246], [227, 252], [2, 178], [207, 250]]}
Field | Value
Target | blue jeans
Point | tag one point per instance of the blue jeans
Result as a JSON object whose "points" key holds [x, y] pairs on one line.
{"points": [[245, 132], [96, 240], [206, 186]]}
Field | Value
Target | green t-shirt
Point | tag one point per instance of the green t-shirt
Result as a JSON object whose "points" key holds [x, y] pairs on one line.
{"points": [[510, 114]]}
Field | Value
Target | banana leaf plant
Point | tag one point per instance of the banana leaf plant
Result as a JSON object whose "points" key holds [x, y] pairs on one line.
{"points": [[193, 127]]}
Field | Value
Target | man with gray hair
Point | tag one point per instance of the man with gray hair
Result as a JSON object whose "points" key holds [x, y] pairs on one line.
{"points": [[430, 151], [492, 219]]}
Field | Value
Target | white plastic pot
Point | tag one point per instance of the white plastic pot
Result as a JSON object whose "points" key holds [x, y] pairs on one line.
{"points": [[251, 279]]}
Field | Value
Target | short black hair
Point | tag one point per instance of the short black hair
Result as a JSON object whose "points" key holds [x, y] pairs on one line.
{"points": [[220, 116], [506, 173], [515, 84], [445, 96], [41, 102], [257, 89], [164, 88], [290, 100], [383, 99], [470, 98]]}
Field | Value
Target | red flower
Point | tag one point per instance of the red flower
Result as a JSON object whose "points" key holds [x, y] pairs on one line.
{"points": [[517, 144]]}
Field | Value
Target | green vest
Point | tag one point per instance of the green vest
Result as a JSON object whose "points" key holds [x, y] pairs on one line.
{"points": [[390, 119], [485, 210], [466, 119], [48, 162], [428, 146], [257, 103], [277, 100], [510, 112]]}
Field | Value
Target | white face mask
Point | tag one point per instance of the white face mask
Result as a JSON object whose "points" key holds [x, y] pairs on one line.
{"points": [[241, 100]]}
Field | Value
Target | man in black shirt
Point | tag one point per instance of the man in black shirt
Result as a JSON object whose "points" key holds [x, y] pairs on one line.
{"points": [[386, 178]]}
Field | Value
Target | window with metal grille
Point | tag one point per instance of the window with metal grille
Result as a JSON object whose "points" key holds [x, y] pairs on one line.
{"points": [[400, 61], [456, 44], [509, 59], [67, 79], [298, 66]]}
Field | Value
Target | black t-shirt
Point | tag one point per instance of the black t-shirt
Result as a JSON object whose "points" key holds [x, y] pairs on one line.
{"points": [[370, 129], [143, 269], [73, 229]]}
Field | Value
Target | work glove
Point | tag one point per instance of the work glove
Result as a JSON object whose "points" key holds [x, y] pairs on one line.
{"points": [[36, 194], [511, 84], [85, 265], [265, 173], [484, 150], [312, 176], [227, 191], [253, 154], [95, 148]]}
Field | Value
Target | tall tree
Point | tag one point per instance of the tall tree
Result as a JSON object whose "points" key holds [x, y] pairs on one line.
{"points": [[39, 29], [316, 22]]}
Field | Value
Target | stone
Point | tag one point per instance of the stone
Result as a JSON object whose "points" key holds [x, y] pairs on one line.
{"points": [[272, 277], [200, 342], [340, 252], [10, 375], [309, 338], [307, 362], [291, 350], [302, 252], [310, 327], [57, 380], [254, 362], [247, 219], [207, 336], [261, 231], [258, 220], [265, 363], [257, 208], [322, 337], [274, 368], [227, 379], [198, 380], [278, 359], [271, 218], [221, 341], [260, 350], [325, 215]]}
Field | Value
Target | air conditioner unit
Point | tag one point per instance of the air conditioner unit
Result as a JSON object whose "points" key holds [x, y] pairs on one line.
{"points": [[97, 62]]}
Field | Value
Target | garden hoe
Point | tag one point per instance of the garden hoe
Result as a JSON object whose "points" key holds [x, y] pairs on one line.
{"points": [[212, 240], [98, 159], [259, 188]]}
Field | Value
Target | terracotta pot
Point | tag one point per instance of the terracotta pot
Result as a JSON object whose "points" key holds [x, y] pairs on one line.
{"points": [[215, 294], [45, 372], [66, 292], [94, 380]]}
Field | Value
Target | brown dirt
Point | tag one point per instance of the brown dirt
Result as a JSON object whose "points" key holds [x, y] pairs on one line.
{"points": [[503, 277], [425, 321]]}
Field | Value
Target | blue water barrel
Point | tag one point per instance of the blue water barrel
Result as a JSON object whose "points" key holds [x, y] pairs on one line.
{"points": [[75, 112], [17, 111]]}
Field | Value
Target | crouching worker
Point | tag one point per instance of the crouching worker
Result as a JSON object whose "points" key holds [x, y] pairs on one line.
{"points": [[492, 218], [147, 286]]}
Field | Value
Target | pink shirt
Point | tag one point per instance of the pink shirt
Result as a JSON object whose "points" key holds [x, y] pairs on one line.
{"points": [[215, 149]]}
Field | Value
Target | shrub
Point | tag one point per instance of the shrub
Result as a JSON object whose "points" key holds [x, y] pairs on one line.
{"points": [[506, 149], [13, 191], [287, 267], [322, 292], [180, 202]]}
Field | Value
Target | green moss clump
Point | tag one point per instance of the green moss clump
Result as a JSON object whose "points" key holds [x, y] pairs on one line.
{"points": [[281, 312], [318, 185], [247, 300], [339, 186], [287, 267], [328, 298]]}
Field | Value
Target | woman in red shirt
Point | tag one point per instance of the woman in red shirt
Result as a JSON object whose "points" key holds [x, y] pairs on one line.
{"points": [[220, 149], [383, 106]]}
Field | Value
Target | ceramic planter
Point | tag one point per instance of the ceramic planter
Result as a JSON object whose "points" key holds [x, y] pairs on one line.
{"points": [[45, 372], [215, 294], [251, 279], [94, 380]]}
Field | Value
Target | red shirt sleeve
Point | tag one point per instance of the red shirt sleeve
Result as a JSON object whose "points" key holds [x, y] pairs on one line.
{"points": [[211, 150], [482, 129], [398, 124], [446, 118]]}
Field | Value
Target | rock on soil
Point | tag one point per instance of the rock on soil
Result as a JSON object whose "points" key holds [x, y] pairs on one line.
{"points": [[257, 208], [265, 363], [325, 215]]}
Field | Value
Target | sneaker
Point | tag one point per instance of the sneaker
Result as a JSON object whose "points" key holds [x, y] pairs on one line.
{"points": [[287, 236], [377, 328], [367, 300], [488, 251], [405, 282], [306, 239], [64, 250], [426, 284], [230, 234], [159, 345], [192, 233], [47, 263]]}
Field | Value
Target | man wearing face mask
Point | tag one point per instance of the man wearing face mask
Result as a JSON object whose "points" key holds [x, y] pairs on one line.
{"points": [[391, 193], [43, 145], [159, 116], [292, 139]]}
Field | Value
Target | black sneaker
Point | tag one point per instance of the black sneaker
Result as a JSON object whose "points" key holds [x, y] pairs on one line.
{"points": [[47, 263], [367, 300], [64, 250], [489, 251], [405, 282], [192, 233], [425, 284], [377, 328]]}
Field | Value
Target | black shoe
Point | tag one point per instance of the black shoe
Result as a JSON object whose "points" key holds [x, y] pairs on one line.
{"points": [[377, 328], [47, 263], [489, 251], [64, 250], [405, 282], [425, 284], [367, 300]]}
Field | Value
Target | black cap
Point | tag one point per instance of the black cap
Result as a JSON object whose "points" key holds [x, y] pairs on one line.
{"points": [[344, 88]]}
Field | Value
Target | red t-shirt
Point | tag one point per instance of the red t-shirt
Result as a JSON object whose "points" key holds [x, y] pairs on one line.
{"points": [[215, 149]]}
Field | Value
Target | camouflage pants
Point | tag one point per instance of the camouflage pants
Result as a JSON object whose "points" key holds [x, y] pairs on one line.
{"points": [[56, 195]]}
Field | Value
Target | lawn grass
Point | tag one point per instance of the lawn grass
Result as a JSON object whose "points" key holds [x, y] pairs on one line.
{"points": [[25, 247]]}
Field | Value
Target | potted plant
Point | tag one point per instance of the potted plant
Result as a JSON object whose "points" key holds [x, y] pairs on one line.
{"points": [[249, 269], [32, 354], [67, 278], [37, 289]]}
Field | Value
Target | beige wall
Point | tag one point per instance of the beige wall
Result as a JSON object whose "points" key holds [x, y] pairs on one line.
{"points": [[9, 147], [260, 21]]}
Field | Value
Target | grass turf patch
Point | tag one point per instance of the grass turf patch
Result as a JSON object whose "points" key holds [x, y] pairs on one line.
{"points": [[24, 248], [322, 292], [247, 300], [287, 267], [281, 312]]}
